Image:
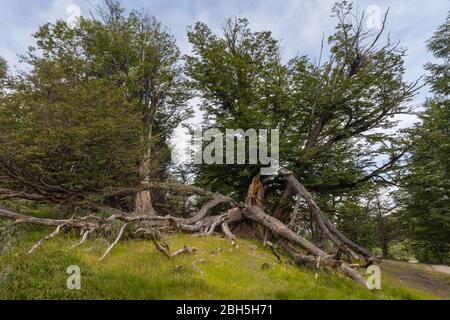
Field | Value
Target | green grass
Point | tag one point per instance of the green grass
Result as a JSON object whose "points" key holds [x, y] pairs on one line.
{"points": [[135, 270]]}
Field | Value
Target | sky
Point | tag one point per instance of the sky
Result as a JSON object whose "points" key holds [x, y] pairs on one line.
{"points": [[299, 24]]}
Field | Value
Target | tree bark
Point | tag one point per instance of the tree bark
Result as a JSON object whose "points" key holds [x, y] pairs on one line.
{"points": [[143, 199], [280, 229], [318, 257], [283, 202], [327, 227], [323, 261]]}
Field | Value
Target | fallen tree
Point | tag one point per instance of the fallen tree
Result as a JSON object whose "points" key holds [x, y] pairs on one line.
{"points": [[99, 118], [296, 246]]}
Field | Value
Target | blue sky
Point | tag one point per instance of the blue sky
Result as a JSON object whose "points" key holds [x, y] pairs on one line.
{"points": [[299, 24]]}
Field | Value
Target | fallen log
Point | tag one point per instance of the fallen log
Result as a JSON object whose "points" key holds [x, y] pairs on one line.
{"points": [[250, 213], [343, 243], [320, 261], [288, 236]]}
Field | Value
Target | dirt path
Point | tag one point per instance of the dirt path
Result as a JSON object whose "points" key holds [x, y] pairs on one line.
{"points": [[440, 268], [431, 278]]}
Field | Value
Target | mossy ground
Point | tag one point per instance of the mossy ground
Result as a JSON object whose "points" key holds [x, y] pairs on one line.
{"points": [[136, 270]]}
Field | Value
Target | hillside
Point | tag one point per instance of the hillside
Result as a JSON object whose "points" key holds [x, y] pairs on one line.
{"points": [[136, 270]]}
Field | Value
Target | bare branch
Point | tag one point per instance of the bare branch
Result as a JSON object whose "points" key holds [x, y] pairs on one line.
{"points": [[115, 242], [83, 239]]}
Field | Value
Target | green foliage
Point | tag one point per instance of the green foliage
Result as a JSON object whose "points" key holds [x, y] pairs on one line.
{"points": [[96, 100], [357, 224], [330, 115], [3, 68], [441, 50], [9, 236], [402, 250], [78, 135], [427, 179], [240, 78]]}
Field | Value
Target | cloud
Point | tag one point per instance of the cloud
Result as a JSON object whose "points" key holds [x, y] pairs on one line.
{"points": [[19, 20]]}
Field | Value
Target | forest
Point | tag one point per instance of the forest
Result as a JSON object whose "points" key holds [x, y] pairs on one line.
{"points": [[87, 136]]}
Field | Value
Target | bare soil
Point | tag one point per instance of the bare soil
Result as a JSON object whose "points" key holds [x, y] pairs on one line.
{"points": [[434, 279]]}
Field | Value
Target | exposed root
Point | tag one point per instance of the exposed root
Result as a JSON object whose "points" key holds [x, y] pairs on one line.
{"points": [[219, 220], [273, 248], [317, 262], [40, 242], [163, 247], [226, 231], [50, 236]]}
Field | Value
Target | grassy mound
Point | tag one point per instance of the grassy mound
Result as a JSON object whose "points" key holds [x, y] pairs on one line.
{"points": [[136, 270]]}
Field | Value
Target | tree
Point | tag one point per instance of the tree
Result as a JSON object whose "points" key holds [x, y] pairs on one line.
{"points": [[64, 134], [426, 197], [355, 221], [332, 115], [125, 64], [240, 78], [136, 51]]}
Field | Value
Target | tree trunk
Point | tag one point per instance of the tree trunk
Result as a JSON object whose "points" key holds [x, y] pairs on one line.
{"points": [[283, 202], [317, 258], [385, 249], [143, 199], [328, 228]]}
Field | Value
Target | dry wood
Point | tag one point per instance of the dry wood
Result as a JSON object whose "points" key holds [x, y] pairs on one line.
{"points": [[83, 239], [280, 229], [317, 262], [40, 242], [184, 250], [226, 231], [327, 227], [164, 248], [119, 235]]}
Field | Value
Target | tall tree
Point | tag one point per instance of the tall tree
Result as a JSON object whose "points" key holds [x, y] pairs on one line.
{"points": [[240, 79], [427, 180], [62, 133], [332, 115], [101, 79], [135, 51]]}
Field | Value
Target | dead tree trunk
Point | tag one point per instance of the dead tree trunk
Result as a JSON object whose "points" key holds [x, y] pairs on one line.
{"points": [[330, 230]]}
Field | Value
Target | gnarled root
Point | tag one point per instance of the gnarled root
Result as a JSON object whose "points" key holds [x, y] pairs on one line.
{"points": [[163, 247]]}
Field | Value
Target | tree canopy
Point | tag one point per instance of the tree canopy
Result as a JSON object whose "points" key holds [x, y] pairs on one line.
{"points": [[97, 99], [333, 115], [427, 176]]}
